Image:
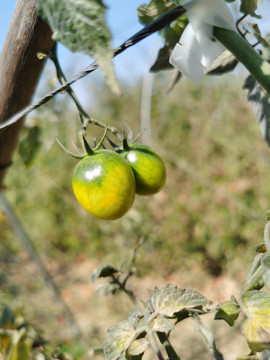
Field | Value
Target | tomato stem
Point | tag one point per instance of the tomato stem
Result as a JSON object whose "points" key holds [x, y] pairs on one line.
{"points": [[102, 139]]}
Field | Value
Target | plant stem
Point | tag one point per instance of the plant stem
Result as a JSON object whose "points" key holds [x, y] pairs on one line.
{"points": [[85, 118], [62, 79], [254, 266], [266, 235], [149, 29], [124, 289], [258, 68], [254, 281], [164, 339], [154, 344]]}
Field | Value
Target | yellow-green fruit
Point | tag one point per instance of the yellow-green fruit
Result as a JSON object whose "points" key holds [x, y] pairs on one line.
{"points": [[148, 168], [104, 184]]}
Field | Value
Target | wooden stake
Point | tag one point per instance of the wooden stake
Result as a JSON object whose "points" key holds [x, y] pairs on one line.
{"points": [[19, 72]]}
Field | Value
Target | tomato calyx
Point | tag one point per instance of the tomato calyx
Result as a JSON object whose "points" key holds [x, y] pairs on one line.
{"points": [[125, 146], [88, 151]]}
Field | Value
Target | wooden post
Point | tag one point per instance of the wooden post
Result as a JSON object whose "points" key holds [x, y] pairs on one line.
{"points": [[19, 72]]}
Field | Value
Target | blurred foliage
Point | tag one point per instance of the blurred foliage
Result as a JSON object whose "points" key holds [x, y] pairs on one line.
{"points": [[205, 221], [213, 202]]}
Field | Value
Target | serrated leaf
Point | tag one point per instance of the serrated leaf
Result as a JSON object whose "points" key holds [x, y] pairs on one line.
{"points": [[224, 63], [162, 325], [138, 347], [256, 327], [120, 338], [228, 311], [29, 144], [171, 300], [266, 266], [249, 7], [103, 270], [81, 26], [260, 102]]}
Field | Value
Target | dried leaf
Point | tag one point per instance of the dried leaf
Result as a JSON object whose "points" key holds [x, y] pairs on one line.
{"points": [[260, 102]]}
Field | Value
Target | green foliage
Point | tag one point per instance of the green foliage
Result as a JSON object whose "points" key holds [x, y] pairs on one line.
{"points": [[16, 336], [29, 144], [81, 26], [249, 7], [228, 311], [161, 310], [170, 34], [256, 327], [260, 102], [266, 267]]}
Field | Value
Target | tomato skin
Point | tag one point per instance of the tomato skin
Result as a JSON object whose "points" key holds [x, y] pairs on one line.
{"points": [[148, 168], [104, 184]]}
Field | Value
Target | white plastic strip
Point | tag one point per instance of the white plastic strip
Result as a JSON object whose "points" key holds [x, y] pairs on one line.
{"points": [[197, 49]]}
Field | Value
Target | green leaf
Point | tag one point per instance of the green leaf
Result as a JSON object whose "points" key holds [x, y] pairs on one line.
{"points": [[224, 63], [7, 319], [103, 270], [162, 61], [266, 266], [228, 311], [162, 325], [81, 26], [170, 34], [30, 144], [249, 7], [260, 102], [171, 300], [256, 327]]}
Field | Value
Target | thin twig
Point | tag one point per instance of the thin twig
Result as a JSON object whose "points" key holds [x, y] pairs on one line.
{"points": [[165, 341], [156, 25], [238, 23], [154, 344]]}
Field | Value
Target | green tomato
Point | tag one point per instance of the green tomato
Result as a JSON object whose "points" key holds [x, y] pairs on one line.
{"points": [[104, 184], [148, 168]]}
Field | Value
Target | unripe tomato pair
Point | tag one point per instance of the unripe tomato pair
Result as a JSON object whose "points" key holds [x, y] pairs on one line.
{"points": [[105, 182]]}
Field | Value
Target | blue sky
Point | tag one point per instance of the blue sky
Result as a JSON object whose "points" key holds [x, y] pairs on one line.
{"points": [[123, 22]]}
